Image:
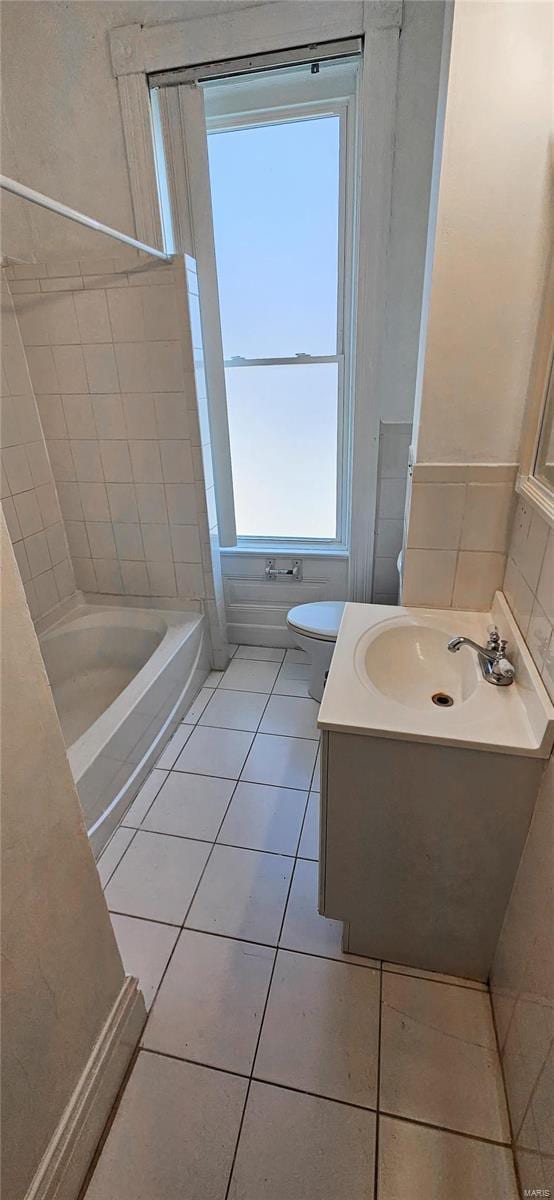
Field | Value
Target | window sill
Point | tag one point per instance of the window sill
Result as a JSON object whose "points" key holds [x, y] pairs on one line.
{"points": [[287, 550]]}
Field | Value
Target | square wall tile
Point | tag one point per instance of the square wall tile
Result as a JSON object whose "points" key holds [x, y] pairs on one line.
{"points": [[174, 1133], [318, 1150], [70, 370], [210, 1005], [79, 420], [92, 316], [429, 577], [321, 1029], [123, 502], [108, 415], [436, 514], [478, 576], [487, 517], [242, 895], [116, 461], [93, 501], [86, 457]]}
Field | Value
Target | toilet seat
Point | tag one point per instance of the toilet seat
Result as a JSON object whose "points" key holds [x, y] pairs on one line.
{"points": [[320, 620]]}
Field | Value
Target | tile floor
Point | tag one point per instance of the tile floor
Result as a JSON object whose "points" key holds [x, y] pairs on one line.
{"points": [[273, 1066]]}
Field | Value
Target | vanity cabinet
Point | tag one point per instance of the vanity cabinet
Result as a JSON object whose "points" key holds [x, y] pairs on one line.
{"points": [[420, 844]]}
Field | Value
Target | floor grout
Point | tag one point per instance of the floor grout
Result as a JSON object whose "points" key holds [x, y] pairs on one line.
{"points": [[276, 947]]}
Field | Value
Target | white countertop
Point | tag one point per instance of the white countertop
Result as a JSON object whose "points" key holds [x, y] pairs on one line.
{"points": [[518, 719]]}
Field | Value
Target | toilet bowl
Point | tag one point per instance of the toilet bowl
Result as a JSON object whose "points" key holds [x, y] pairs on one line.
{"points": [[315, 628]]}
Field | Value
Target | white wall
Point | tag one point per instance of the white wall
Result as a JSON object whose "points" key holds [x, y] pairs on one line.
{"points": [[62, 131], [493, 229], [61, 970], [28, 494]]}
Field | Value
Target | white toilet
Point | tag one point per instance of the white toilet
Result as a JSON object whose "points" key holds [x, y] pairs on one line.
{"points": [[315, 628]]}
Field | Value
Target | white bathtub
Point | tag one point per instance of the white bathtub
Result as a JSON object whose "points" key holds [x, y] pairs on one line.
{"points": [[121, 679]]}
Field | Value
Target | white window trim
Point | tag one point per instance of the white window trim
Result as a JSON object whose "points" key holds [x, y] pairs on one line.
{"points": [[343, 107], [138, 51]]}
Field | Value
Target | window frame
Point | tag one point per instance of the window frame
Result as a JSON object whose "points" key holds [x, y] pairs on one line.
{"points": [[345, 107]]}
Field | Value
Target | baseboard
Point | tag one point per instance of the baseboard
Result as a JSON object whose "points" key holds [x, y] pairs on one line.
{"points": [[69, 1154], [259, 635]]}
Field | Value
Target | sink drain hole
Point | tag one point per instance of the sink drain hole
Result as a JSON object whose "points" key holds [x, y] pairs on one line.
{"points": [[442, 699]]}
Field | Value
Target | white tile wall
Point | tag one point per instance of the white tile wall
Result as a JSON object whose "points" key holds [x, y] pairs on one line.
{"points": [[522, 983], [111, 360], [394, 445], [29, 498], [457, 535]]}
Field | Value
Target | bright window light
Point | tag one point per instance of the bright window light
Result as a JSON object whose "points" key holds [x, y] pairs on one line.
{"points": [[276, 196], [283, 430]]}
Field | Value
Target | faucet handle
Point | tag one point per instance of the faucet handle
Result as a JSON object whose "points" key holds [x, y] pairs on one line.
{"points": [[494, 641]]}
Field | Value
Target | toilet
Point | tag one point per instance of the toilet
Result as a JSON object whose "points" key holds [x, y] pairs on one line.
{"points": [[315, 628]]}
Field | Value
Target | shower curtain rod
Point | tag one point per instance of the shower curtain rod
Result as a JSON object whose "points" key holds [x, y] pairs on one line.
{"points": [[27, 193]]}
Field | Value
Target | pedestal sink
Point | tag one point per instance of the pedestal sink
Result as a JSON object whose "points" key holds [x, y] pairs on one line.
{"points": [[425, 808]]}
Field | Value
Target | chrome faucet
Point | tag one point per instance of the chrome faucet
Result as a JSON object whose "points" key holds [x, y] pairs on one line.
{"points": [[495, 667]]}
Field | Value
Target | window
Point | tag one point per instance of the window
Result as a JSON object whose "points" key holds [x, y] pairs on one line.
{"points": [[280, 177]]}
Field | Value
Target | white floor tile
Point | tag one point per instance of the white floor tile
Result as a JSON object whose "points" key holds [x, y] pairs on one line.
{"points": [[145, 798], [295, 1147], [174, 1134], [215, 752], [197, 707], [293, 679], [190, 805], [157, 877], [173, 749], [320, 1031], [264, 818], [297, 656], [281, 761], [304, 929], [234, 710], [242, 894], [247, 676], [309, 842], [439, 1165], [291, 716], [145, 948], [439, 1062], [113, 853], [209, 1007], [262, 653], [214, 679]]}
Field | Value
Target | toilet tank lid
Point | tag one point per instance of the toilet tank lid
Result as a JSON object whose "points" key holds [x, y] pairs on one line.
{"points": [[320, 620]]}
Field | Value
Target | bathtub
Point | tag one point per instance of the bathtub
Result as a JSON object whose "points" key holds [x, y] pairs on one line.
{"points": [[121, 679]]}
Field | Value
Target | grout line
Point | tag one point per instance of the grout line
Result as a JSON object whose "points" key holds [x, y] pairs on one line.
{"points": [[466, 987], [190, 837], [471, 1137], [118, 863], [378, 1087]]}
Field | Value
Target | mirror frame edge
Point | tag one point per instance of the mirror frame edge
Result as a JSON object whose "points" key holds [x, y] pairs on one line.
{"points": [[529, 487]]}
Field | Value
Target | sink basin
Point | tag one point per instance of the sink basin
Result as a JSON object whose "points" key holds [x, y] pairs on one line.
{"points": [[391, 666], [410, 663]]}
